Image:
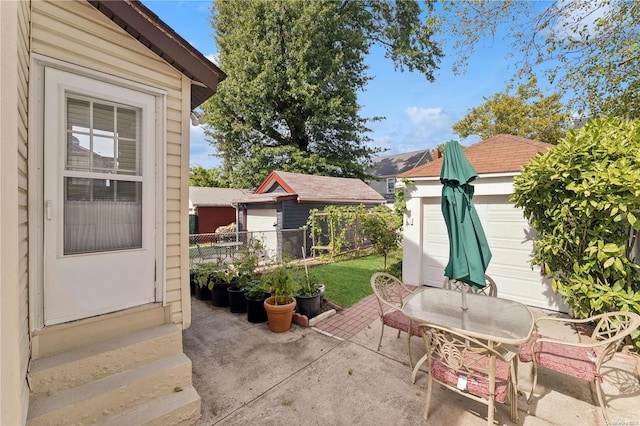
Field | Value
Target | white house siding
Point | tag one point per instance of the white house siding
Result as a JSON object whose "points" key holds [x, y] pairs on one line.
{"points": [[75, 32], [23, 213], [14, 344]]}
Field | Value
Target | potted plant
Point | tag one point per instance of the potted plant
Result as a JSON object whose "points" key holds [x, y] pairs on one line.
{"points": [[308, 295], [282, 303], [193, 278], [203, 271], [245, 268], [225, 277], [256, 291], [236, 291]]}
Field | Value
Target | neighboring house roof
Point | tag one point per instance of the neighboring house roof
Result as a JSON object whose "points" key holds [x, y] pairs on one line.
{"points": [[146, 27], [214, 197], [309, 188], [393, 165], [498, 154]]}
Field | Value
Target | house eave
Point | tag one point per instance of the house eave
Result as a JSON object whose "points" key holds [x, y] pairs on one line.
{"points": [[340, 200], [480, 176], [146, 27]]}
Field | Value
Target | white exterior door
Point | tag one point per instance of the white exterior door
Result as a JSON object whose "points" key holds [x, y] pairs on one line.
{"points": [[262, 225], [511, 242], [99, 197]]}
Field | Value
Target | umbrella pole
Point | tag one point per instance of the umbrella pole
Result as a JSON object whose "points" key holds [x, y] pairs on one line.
{"points": [[464, 297]]}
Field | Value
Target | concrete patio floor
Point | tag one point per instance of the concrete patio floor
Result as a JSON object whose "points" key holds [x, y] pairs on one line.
{"points": [[245, 374]]}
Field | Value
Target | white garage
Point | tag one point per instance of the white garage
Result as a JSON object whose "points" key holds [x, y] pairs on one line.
{"points": [[511, 239]]}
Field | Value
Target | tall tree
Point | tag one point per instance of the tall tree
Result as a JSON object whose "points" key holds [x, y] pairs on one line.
{"points": [[212, 178], [527, 113], [294, 69], [589, 49]]}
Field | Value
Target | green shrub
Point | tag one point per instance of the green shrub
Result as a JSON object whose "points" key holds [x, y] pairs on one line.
{"points": [[583, 199]]}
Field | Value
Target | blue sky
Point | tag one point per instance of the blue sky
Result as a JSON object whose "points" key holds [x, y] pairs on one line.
{"points": [[418, 114]]}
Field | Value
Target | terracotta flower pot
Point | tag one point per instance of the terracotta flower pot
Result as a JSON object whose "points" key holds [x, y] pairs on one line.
{"points": [[280, 316]]}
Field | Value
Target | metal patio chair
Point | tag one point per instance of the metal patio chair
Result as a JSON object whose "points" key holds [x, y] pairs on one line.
{"points": [[580, 360], [470, 367], [490, 290], [391, 293]]}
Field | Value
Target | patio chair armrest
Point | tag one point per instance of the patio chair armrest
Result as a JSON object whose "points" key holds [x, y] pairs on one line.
{"points": [[388, 305], [565, 320], [592, 344]]}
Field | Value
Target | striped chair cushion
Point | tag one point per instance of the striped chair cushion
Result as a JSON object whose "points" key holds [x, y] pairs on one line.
{"points": [[571, 360]]}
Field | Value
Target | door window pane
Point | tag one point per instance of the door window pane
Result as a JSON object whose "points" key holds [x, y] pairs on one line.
{"points": [[128, 157], [78, 151], [77, 189], [78, 115], [101, 215], [103, 149], [103, 123], [103, 138], [127, 123]]}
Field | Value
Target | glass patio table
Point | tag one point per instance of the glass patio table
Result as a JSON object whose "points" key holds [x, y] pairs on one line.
{"points": [[492, 319], [487, 318]]}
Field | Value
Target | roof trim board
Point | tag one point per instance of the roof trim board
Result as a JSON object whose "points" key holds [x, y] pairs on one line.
{"points": [[270, 180]]}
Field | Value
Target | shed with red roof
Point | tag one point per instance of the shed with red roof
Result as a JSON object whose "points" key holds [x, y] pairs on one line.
{"points": [[426, 246], [281, 205]]}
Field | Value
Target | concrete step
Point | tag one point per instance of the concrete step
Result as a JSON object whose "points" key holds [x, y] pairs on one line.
{"points": [[75, 334], [177, 409], [76, 367], [107, 397]]}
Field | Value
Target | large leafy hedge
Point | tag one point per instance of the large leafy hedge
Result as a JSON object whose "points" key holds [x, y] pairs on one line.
{"points": [[583, 199]]}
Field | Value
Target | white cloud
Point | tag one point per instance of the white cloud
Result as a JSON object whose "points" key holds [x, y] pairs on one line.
{"points": [[415, 129], [201, 153], [433, 117]]}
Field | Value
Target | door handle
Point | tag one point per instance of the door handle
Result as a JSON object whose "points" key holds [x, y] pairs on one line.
{"points": [[48, 205]]}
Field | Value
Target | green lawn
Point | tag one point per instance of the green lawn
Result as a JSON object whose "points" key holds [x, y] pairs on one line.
{"points": [[349, 281]]}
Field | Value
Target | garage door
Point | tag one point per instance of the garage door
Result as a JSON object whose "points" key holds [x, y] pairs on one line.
{"points": [[261, 224], [511, 242]]}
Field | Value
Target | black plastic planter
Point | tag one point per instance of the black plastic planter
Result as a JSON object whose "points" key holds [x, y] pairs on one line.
{"points": [[255, 310], [237, 302], [220, 294], [203, 293], [308, 305]]}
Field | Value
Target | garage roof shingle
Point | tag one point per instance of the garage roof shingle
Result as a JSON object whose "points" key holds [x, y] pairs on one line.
{"points": [[310, 188], [498, 154]]}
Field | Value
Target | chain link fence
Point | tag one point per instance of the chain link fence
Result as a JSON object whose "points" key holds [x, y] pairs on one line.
{"points": [[228, 246]]}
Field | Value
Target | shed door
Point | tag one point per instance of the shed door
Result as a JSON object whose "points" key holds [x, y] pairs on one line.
{"points": [[262, 225], [511, 241], [99, 197]]}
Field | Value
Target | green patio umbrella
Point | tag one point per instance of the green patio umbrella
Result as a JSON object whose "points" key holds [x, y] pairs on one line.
{"points": [[469, 253]]}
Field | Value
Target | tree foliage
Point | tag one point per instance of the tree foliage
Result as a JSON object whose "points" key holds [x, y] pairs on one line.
{"points": [[294, 69], [212, 178], [583, 199], [378, 225], [588, 48], [527, 113], [379, 228]]}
